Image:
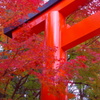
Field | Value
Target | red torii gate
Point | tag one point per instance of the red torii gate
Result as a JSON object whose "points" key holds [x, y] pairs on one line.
{"points": [[58, 34]]}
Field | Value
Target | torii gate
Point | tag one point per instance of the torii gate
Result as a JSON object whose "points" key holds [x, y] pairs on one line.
{"points": [[52, 20]]}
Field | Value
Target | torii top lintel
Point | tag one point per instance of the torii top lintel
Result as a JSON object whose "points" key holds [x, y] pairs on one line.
{"points": [[76, 34], [8, 30]]}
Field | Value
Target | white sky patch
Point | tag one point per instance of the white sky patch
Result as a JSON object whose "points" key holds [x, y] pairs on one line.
{"points": [[1, 48], [46, 1]]}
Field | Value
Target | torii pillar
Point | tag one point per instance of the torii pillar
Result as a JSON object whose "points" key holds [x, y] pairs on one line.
{"points": [[58, 34], [55, 22]]}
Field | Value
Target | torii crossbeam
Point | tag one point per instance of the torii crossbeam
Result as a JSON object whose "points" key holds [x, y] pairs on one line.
{"points": [[58, 34]]}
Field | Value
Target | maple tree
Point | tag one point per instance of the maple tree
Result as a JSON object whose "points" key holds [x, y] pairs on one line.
{"points": [[20, 61], [13, 10], [12, 67], [87, 79]]}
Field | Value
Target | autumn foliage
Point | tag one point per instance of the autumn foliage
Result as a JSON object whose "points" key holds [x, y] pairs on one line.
{"points": [[13, 10], [22, 63], [33, 58]]}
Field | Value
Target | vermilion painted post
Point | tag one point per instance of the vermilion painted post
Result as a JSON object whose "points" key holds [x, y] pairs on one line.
{"points": [[53, 28]]}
